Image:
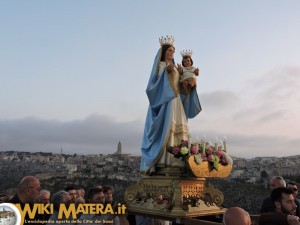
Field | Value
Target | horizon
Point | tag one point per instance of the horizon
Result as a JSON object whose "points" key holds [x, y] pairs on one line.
{"points": [[88, 154]]}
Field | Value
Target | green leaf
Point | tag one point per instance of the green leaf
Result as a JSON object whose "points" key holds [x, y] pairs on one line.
{"points": [[216, 165], [213, 158], [198, 159]]}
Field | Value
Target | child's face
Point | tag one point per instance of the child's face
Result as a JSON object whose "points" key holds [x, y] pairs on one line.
{"points": [[187, 62]]}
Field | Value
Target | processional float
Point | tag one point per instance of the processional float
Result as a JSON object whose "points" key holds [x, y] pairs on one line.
{"points": [[183, 192], [180, 191]]}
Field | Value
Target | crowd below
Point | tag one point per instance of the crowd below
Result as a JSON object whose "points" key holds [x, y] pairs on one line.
{"points": [[29, 192], [281, 207]]}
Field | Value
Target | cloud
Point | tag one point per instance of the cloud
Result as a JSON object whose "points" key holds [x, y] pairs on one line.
{"points": [[251, 145], [222, 99], [95, 134], [272, 116], [257, 115], [270, 97], [100, 134], [278, 86], [260, 119]]}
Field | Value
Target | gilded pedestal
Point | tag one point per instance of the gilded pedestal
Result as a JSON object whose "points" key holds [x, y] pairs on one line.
{"points": [[186, 195]]}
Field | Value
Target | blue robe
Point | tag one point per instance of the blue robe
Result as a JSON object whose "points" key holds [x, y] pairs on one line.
{"points": [[162, 92]]}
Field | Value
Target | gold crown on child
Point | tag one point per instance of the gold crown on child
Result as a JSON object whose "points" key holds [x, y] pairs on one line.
{"points": [[168, 40], [186, 53]]}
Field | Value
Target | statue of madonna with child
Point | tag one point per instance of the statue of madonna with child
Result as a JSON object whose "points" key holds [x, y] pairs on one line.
{"points": [[168, 112]]}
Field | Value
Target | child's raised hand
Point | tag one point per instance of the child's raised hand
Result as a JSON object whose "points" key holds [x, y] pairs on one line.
{"points": [[196, 71]]}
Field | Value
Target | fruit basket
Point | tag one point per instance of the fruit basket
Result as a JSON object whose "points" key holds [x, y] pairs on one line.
{"points": [[205, 169]]}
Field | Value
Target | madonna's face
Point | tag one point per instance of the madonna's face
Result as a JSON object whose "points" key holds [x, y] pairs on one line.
{"points": [[169, 54]]}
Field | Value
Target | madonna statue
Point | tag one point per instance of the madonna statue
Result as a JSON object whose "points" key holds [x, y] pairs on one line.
{"points": [[167, 117]]}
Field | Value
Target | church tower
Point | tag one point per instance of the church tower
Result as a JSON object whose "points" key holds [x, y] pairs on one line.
{"points": [[119, 150]]}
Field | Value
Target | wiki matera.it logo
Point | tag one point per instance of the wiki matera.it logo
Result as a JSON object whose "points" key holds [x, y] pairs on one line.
{"points": [[9, 214]]}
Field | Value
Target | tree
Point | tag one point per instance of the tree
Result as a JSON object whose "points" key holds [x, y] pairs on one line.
{"points": [[264, 174]]}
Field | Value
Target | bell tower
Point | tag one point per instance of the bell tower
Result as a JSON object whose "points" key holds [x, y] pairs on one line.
{"points": [[119, 150]]}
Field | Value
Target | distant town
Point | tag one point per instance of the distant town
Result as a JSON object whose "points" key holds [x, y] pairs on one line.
{"points": [[56, 171]]}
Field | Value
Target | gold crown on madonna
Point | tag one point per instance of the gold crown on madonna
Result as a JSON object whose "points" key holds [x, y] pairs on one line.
{"points": [[168, 40], [186, 53]]}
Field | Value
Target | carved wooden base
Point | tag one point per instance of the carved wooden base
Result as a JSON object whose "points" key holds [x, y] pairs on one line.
{"points": [[174, 197]]}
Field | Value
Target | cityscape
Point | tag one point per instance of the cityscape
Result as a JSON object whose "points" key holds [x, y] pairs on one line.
{"points": [[56, 171]]}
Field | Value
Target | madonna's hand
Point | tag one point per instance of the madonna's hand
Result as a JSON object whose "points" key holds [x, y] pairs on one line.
{"points": [[170, 67], [179, 68], [192, 83]]}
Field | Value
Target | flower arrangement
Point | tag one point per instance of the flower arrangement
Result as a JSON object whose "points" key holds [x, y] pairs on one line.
{"points": [[215, 155], [181, 150]]}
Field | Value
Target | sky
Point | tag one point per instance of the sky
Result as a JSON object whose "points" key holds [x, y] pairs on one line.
{"points": [[73, 74]]}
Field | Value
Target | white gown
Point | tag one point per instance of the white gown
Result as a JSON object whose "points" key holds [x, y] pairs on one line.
{"points": [[179, 126], [188, 73]]}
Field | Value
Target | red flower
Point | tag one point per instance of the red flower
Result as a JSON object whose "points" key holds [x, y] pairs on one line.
{"points": [[185, 143], [210, 150], [224, 161], [194, 150], [175, 150], [219, 153]]}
